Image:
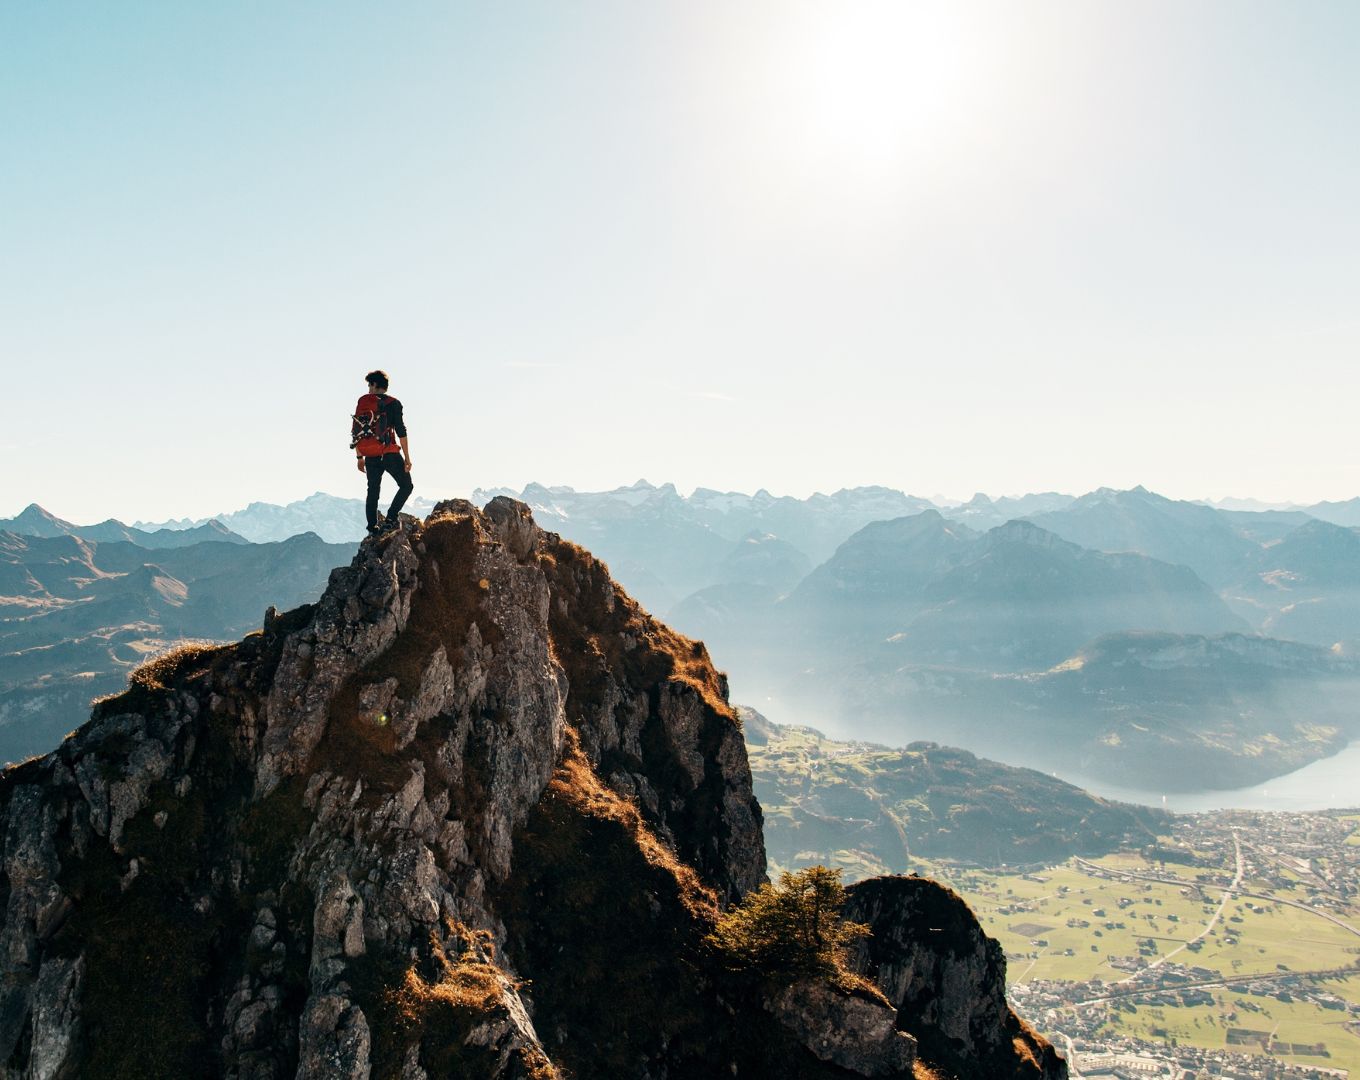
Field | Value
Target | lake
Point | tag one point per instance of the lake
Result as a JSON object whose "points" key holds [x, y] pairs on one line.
{"points": [[1332, 783]]}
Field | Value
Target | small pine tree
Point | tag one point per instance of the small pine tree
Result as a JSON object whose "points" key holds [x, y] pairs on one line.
{"points": [[791, 930]]}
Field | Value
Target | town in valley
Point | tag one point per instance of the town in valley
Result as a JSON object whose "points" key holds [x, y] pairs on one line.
{"points": [[1228, 948]]}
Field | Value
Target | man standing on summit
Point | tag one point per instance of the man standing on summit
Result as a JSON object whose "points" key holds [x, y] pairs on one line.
{"points": [[378, 424]]}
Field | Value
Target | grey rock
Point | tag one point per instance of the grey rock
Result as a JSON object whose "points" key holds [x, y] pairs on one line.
{"points": [[335, 1041], [845, 1028], [56, 1018], [930, 957], [513, 525]]}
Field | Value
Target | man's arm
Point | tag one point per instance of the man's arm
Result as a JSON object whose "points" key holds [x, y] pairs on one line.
{"points": [[399, 426]]}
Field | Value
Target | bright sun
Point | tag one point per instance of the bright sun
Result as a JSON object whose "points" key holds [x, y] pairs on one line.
{"points": [[866, 87]]}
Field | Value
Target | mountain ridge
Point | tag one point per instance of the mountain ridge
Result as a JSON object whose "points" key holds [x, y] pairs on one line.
{"points": [[356, 832], [34, 520]]}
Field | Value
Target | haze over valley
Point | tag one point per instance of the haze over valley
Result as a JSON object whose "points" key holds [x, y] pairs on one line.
{"points": [[1120, 636]]}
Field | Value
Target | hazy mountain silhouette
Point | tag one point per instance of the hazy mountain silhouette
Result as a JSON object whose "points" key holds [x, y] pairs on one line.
{"points": [[1024, 599], [763, 559], [1005, 643], [665, 546], [876, 580], [35, 521], [1182, 533], [76, 615], [1306, 587], [1265, 526], [335, 519], [1338, 513], [983, 512], [932, 591]]}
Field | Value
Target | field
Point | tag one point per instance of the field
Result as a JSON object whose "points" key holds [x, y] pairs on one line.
{"points": [[1119, 915], [1301, 1025], [1068, 925]]}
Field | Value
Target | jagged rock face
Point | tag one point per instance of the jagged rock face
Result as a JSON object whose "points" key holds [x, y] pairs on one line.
{"points": [[337, 848], [240, 856], [947, 979], [851, 1031]]}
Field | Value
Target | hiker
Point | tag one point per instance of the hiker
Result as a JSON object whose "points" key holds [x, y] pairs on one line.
{"points": [[377, 426]]}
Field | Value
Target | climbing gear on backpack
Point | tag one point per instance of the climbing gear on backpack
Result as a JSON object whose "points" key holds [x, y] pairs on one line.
{"points": [[370, 430]]}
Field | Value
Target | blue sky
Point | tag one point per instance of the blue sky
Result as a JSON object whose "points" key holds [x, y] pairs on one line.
{"points": [[948, 248]]}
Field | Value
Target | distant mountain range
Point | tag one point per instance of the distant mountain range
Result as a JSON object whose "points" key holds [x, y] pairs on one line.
{"points": [[1346, 512], [76, 615], [879, 614], [666, 546], [1181, 533], [1338, 513], [336, 520], [1014, 598], [1004, 641], [983, 512], [35, 521]]}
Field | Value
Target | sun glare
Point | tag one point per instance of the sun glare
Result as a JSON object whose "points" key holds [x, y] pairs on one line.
{"points": [[872, 88]]}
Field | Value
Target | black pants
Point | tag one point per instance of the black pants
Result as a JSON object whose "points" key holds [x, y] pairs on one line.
{"points": [[375, 467]]}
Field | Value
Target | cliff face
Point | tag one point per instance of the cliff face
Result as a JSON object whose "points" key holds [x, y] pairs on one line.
{"points": [[931, 959], [340, 847]]}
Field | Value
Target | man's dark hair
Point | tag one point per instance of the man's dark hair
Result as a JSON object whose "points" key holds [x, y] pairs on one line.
{"points": [[377, 377]]}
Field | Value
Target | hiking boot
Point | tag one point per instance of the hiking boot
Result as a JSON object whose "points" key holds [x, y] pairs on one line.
{"points": [[389, 525]]}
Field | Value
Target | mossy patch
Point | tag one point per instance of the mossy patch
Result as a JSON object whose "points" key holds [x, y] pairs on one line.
{"points": [[436, 1003], [606, 643], [447, 602], [597, 629], [623, 928], [154, 680], [360, 744], [610, 926], [576, 782], [271, 831]]}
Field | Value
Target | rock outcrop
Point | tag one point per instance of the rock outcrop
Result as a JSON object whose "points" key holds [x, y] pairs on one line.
{"points": [[929, 956], [472, 814]]}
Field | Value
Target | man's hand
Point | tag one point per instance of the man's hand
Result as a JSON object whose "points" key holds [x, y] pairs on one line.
{"points": [[360, 462], [408, 464]]}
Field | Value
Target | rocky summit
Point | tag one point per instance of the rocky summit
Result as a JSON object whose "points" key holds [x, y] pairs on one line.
{"points": [[472, 814]]}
